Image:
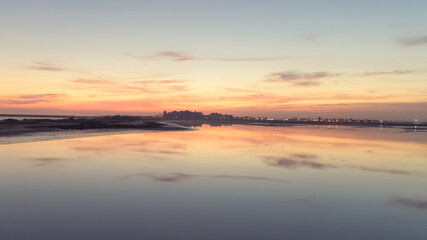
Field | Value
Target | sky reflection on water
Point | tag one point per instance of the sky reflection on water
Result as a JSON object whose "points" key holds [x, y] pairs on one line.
{"points": [[231, 182]]}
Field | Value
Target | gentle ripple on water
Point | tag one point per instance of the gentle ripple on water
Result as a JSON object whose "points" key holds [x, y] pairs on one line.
{"points": [[230, 182]]}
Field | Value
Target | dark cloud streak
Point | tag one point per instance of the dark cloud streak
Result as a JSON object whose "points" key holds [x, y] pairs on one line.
{"points": [[396, 72], [94, 81], [246, 178], [180, 177], [410, 203], [177, 56], [45, 161], [304, 156], [32, 98], [389, 171], [302, 160], [299, 78], [287, 162], [42, 66], [413, 41], [246, 59], [145, 86]]}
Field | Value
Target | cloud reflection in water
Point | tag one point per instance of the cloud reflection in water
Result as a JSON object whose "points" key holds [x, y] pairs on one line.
{"points": [[180, 177], [43, 161], [410, 203], [289, 162]]}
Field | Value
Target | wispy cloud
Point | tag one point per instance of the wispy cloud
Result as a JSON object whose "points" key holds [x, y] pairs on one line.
{"points": [[299, 78], [172, 55], [145, 86], [165, 177], [178, 56], [396, 72], [166, 55], [308, 83], [302, 160], [146, 82], [297, 161], [43, 66], [247, 59], [246, 178], [40, 96], [305, 156], [32, 98], [413, 41], [45, 161], [93, 148], [166, 85], [159, 151], [410, 203], [180, 177], [94, 81], [381, 170], [314, 78], [292, 163], [311, 37], [152, 147], [239, 90]]}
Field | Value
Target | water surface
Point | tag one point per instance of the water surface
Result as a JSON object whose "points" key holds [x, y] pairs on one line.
{"points": [[230, 182]]}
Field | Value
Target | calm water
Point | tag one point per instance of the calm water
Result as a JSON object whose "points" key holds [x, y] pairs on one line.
{"points": [[233, 182], [29, 118]]}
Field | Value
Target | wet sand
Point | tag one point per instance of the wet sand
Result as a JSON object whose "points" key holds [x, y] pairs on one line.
{"points": [[19, 131]]}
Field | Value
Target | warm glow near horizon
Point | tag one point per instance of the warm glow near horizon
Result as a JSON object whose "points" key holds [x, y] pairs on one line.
{"points": [[271, 58]]}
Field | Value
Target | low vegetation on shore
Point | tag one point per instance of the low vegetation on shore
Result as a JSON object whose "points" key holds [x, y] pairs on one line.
{"points": [[10, 127]]}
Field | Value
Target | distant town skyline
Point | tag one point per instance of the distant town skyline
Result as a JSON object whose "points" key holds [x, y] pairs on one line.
{"points": [[342, 59]]}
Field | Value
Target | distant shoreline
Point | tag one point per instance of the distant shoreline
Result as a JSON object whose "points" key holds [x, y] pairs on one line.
{"points": [[235, 120], [14, 131], [13, 127], [279, 123], [34, 116]]}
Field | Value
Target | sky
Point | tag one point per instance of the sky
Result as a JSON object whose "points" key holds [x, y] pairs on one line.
{"points": [[308, 58]]}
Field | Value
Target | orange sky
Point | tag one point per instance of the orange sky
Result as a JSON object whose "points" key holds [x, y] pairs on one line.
{"points": [[253, 59]]}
